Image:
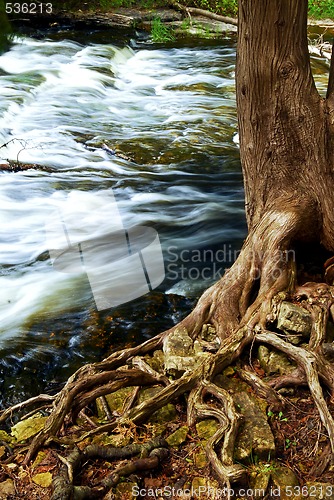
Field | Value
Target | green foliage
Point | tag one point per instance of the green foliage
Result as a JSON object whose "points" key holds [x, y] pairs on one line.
{"points": [[112, 4], [321, 9], [279, 416], [160, 32], [106, 5], [5, 29], [289, 443], [223, 7]]}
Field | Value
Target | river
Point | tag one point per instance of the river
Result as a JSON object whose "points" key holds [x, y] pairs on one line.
{"points": [[137, 133]]}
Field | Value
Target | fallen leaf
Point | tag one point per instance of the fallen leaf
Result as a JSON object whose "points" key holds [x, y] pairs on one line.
{"points": [[44, 479]]}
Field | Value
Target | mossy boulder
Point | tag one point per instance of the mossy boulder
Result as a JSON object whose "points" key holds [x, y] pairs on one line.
{"points": [[25, 429]]}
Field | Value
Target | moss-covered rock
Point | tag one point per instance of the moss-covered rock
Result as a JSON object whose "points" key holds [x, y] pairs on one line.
{"points": [[166, 414], [295, 322], [125, 491], [5, 437], [274, 361], [255, 438], [115, 401]]}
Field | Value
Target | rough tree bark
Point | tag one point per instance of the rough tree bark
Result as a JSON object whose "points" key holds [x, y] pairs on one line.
{"points": [[287, 152]]}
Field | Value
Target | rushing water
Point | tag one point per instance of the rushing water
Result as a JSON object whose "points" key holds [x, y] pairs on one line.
{"points": [[169, 115]]}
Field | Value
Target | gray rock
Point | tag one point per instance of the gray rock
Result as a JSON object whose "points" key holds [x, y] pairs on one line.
{"points": [[295, 321], [255, 438], [274, 361]]}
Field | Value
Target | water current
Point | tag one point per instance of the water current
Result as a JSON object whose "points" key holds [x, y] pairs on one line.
{"points": [[153, 127]]}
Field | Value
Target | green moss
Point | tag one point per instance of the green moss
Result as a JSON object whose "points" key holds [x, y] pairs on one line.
{"points": [[106, 5]]}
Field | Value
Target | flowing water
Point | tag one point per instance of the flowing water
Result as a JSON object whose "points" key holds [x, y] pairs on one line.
{"points": [[154, 129]]}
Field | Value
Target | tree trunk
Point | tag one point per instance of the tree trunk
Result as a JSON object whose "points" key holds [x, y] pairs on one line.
{"points": [[286, 128]]}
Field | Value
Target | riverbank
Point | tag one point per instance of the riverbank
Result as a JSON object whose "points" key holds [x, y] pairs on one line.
{"points": [[159, 25]]}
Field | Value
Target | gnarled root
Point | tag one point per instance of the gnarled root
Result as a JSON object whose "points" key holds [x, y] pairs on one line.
{"points": [[240, 308], [314, 367]]}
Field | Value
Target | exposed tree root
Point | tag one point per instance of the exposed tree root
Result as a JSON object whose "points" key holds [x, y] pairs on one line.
{"points": [[276, 402], [229, 421], [256, 311]]}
